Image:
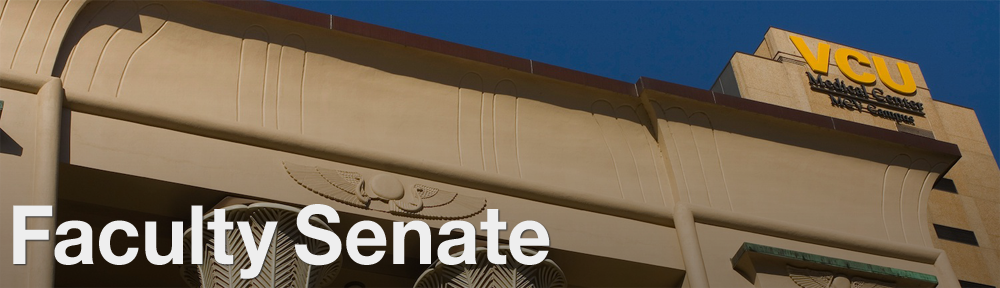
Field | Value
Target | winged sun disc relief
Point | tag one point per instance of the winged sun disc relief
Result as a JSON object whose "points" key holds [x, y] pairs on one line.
{"points": [[383, 192], [821, 279]]}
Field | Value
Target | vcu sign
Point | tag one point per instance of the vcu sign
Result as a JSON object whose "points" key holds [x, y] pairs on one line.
{"points": [[820, 63], [861, 98]]}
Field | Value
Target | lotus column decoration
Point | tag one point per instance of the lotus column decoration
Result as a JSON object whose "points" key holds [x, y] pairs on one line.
{"points": [[281, 268], [484, 274]]}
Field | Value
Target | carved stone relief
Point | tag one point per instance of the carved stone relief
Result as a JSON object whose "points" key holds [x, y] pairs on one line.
{"points": [[100, 60], [693, 150], [906, 187], [632, 149], [485, 274], [487, 126], [271, 80], [281, 268], [383, 192], [807, 278], [40, 25]]}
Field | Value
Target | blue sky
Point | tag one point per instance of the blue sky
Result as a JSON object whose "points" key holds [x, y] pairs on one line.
{"points": [[956, 44]]}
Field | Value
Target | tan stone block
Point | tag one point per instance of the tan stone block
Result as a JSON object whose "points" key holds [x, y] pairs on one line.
{"points": [[778, 42], [985, 240], [934, 122], [975, 160], [959, 120], [992, 261], [768, 97], [762, 74], [860, 118], [981, 192], [975, 222], [796, 71], [946, 209], [762, 50], [967, 261], [989, 212], [997, 252], [976, 175], [930, 112], [879, 122], [972, 145]]}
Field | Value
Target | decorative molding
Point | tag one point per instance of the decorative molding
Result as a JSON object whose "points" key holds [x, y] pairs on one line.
{"points": [[485, 274], [383, 192], [271, 80], [692, 149], [102, 51], [632, 150], [281, 268], [906, 189], [740, 263], [806, 278], [470, 127], [487, 125]]}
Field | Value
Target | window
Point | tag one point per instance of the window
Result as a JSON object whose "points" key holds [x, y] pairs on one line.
{"points": [[967, 284], [946, 185], [956, 234]]}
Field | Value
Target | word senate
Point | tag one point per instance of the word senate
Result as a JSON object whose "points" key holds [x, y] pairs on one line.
{"points": [[257, 248]]}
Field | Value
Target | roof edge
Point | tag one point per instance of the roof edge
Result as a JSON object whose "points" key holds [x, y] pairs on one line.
{"points": [[404, 38], [799, 116], [391, 35]]}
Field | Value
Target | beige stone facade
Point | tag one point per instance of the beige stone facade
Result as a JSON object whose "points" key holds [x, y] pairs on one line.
{"points": [[776, 74], [136, 110]]}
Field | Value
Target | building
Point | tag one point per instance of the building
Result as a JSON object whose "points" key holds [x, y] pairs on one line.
{"points": [[787, 171]]}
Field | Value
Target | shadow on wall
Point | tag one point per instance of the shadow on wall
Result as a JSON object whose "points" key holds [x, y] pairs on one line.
{"points": [[8, 145]]}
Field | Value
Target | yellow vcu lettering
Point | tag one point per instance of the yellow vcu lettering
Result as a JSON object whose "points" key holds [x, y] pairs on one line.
{"points": [[843, 56], [907, 87], [820, 63]]}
